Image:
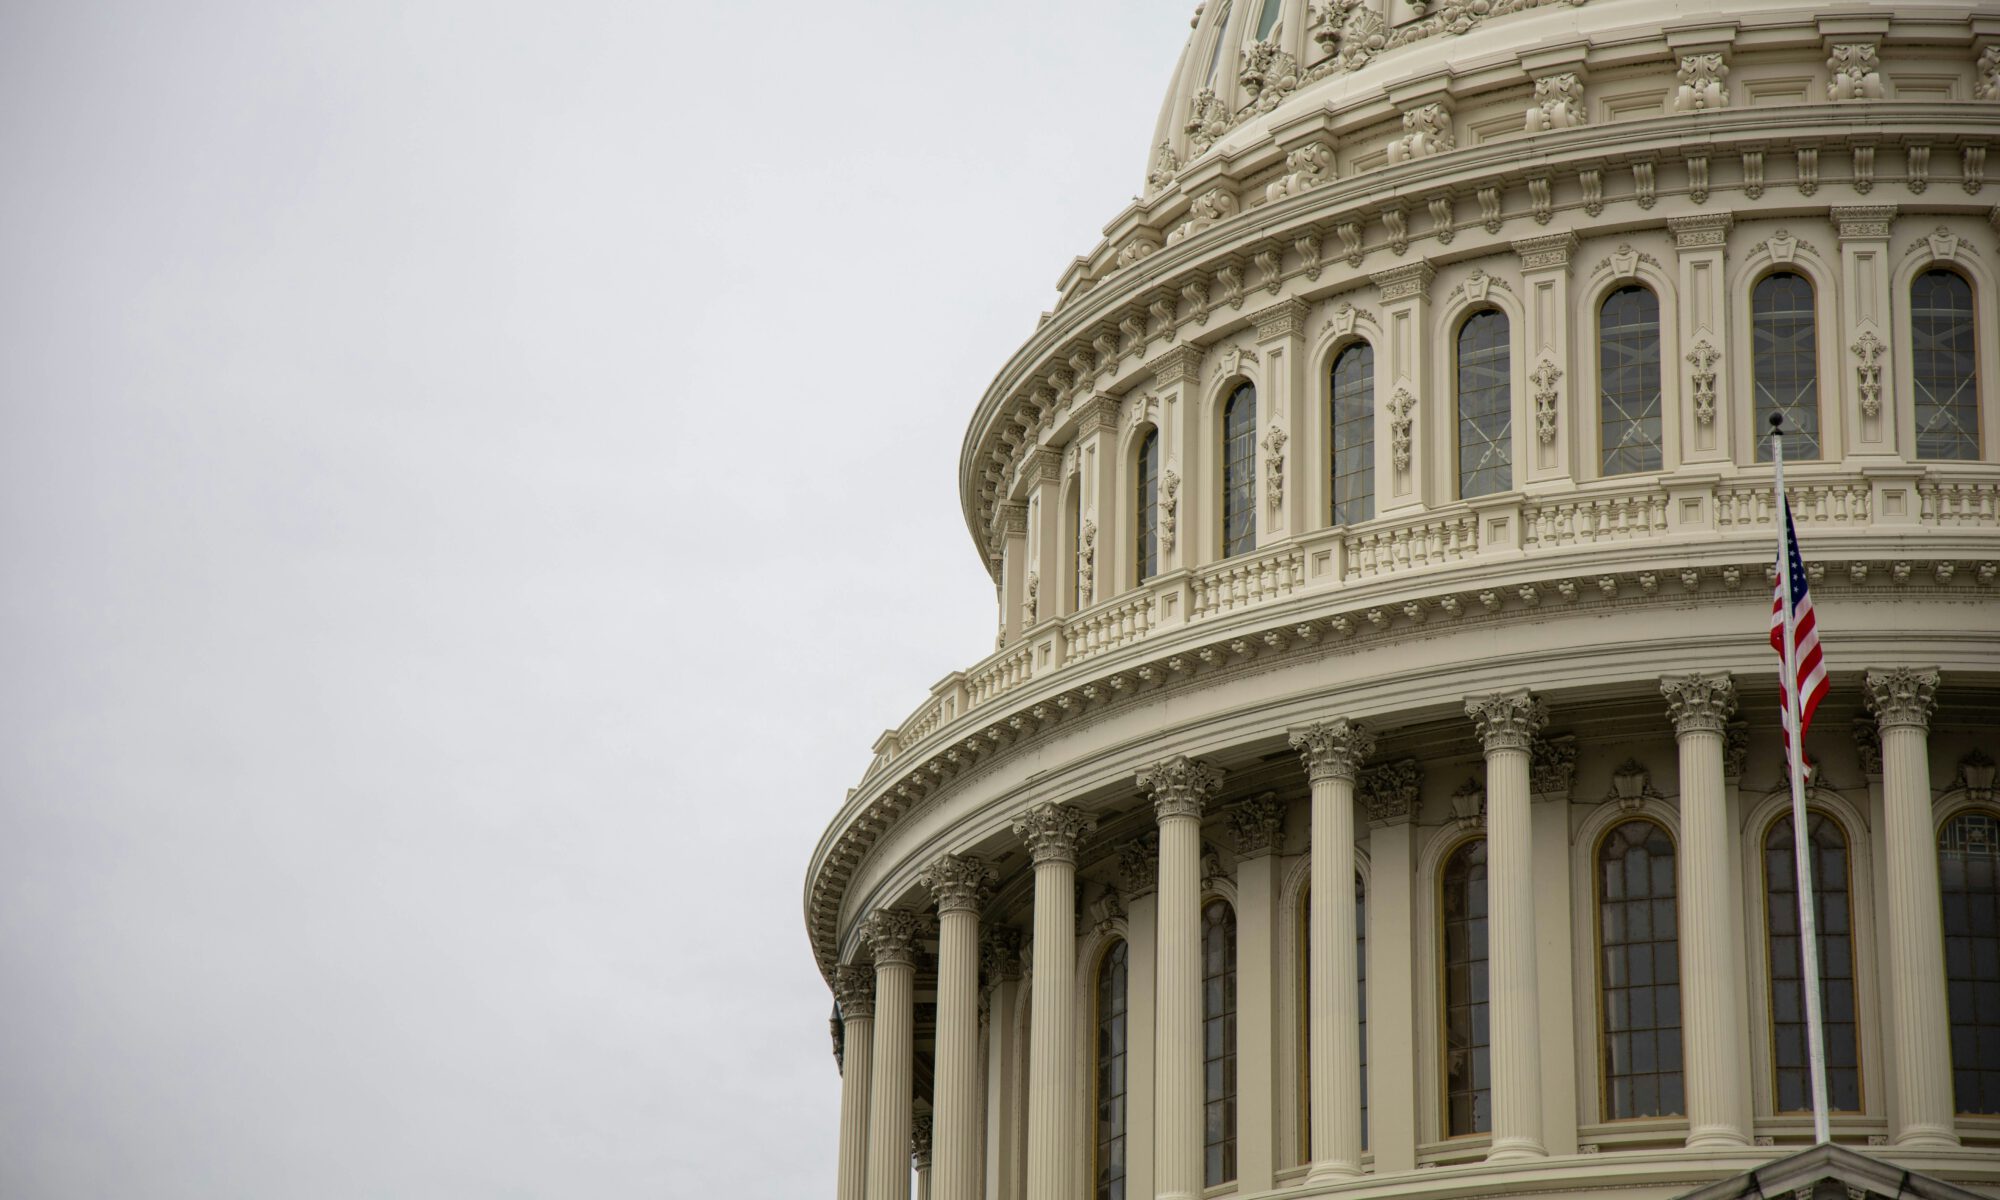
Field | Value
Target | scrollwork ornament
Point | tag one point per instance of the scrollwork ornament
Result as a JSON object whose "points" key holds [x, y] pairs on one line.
{"points": [[1507, 720], [1180, 786], [1902, 697], [1333, 749], [1699, 703], [1701, 87], [1988, 72], [1274, 466], [1052, 831], [1031, 601], [957, 882]]}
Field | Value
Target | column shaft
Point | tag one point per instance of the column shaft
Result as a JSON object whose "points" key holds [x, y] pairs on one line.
{"points": [[891, 1087], [1506, 724], [1336, 996], [858, 1042], [955, 1091], [1177, 1061], [1052, 1131]]}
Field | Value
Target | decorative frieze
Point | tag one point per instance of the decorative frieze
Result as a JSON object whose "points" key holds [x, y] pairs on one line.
{"points": [[892, 934], [1182, 364], [1389, 793], [1863, 222], [1287, 318], [1699, 703], [1052, 831], [1700, 233], [1507, 720], [854, 990], [1333, 749], [1558, 103], [1902, 696], [957, 882], [1856, 71], [1257, 825], [1180, 786], [1701, 88], [1546, 253]]}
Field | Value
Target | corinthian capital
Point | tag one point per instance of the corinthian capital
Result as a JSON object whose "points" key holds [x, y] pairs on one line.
{"points": [[1000, 954], [892, 933], [1051, 831], [854, 988], [1902, 697], [956, 882], [1507, 720], [1389, 792], [1333, 749], [1181, 787], [1699, 703], [1258, 825]]}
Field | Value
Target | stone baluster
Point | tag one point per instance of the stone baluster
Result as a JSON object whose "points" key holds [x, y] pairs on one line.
{"points": [[1712, 1001], [1051, 833], [1506, 722], [1333, 752], [854, 987], [892, 936], [1902, 700], [1181, 790], [957, 884]]}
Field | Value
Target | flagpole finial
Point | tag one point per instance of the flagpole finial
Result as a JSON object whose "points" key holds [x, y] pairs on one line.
{"points": [[1777, 422]]}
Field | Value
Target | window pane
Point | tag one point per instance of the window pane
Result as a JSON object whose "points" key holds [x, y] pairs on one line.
{"points": [[1969, 879], [1215, 55], [1354, 435], [1485, 412], [1784, 369], [1836, 966], [1239, 472], [1110, 1108], [1218, 955], [1268, 20], [1942, 360], [1628, 373], [1640, 1034], [1148, 506], [1468, 1088]]}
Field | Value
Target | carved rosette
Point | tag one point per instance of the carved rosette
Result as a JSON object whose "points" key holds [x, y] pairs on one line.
{"points": [[1257, 825], [1139, 864], [1699, 703], [920, 1140], [892, 934], [1507, 720], [1902, 697], [1552, 766], [1389, 792], [854, 989], [957, 882], [1180, 786], [1868, 745], [1052, 831], [1333, 749], [1000, 954]]}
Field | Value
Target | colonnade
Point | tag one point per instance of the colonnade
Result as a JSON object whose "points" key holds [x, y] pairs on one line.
{"points": [[876, 1005]]}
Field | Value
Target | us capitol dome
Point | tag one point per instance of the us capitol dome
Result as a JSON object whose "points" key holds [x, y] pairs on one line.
{"points": [[1376, 785]]}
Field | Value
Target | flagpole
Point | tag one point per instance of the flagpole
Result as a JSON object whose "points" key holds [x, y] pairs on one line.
{"points": [[1796, 760]]}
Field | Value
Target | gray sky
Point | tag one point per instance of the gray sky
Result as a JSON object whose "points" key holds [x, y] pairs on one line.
{"points": [[477, 478]]}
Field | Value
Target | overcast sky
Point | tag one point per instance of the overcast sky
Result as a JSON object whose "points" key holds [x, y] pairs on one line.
{"points": [[477, 479]]}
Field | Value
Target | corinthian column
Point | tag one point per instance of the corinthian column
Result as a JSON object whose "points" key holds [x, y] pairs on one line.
{"points": [[1902, 700], [1506, 722], [1712, 1003], [956, 883], [920, 1154], [1333, 751], [1051, 832], [892, 935], [1181, 789], [854, 987]]}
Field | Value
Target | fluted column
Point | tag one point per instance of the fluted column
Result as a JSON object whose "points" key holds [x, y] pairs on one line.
{"points": [[1902, 700], [1180, 789], [1051, 832], [892, 935], [854, 987], [1506, 722], [956, 883], [921, 1130], [1712, 1003], [1000, 963], [1333, 751]]}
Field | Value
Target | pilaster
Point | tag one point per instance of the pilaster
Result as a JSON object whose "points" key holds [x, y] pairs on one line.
{"points": [[1389, 796], [1000, 964], [1405, 405], [1294, 494], [1548, 419], [1700, 246], [1257, 882], [1862, 343]]}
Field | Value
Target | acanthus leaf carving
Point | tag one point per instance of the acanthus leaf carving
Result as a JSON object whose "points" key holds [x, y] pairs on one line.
{"points": [[1180, 786], [1545, 379], [1274, 466], [1426, 131], [1558, 103], [1987, 70], [1170, 490], [1257, 825], [1868, 350], [1389, 792], [1305, 168], [1701, 88], [1703, 358], [1400, 406], [1856, 71]]}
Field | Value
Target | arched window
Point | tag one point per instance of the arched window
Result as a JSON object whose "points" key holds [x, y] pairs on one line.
{"points": [[1833, 915], [1639, 972], [1942, 360], [1148, 506], [1218, 1041], [1239, 472], [1305, 1009], [1468, 1068], [1628, 381], [1110, 1173], [1268, 19], [1969, 877], [1354, 434], [1784, 365], [1485, 406]]}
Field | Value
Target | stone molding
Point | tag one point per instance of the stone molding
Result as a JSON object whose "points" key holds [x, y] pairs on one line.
{"points": [[1699, 703], [1902, 697], [1053, 831], [1333, 749], [1180, 787], [1507, 720]]}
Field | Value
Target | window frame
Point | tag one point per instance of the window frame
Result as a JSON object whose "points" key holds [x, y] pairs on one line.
{"points": [[1441, 983], [1339, 352], [1100, 960], [1978, 381], [1456, 375], [1858, 964], [1829, 447], [1233, 393], [1952, 811], [1599, 392], [1600, 1030]]}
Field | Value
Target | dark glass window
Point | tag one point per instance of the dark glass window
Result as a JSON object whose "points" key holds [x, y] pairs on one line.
{"points": [[1218, 1041], [1111, 970], [1485, 406], [1268, 20], [1942, 360], [1833, 915], [1305, 1009], [1239, 472], [1148, 501], [1783, 363], [1639, 972], [1969, 878], [1354, 434], [1468, 1067], [1628, 380]]}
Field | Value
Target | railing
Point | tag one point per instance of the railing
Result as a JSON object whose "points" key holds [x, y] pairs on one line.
{"points": [[1243, 582], [1102, 629], [1936, 496]]}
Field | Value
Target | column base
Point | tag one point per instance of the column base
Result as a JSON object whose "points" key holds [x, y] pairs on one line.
{"points": [[1332, 1172], [1926, 1139], [1717, 1139], [1516, 1150]]}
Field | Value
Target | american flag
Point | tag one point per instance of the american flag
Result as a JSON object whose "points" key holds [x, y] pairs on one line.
{"points": [[1809, 677]]}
